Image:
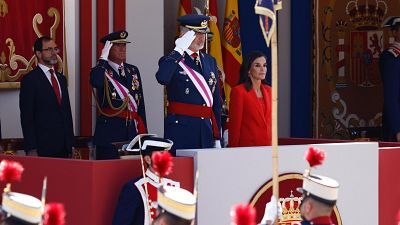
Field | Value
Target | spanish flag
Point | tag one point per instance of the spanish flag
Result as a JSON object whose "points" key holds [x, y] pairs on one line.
{"points": [[185, 7], [231, 46], [215, 45]]}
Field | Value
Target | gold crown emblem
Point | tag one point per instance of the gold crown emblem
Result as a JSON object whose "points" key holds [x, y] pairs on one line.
{"points": [[123, 34], [290, 209], [366, 16]]}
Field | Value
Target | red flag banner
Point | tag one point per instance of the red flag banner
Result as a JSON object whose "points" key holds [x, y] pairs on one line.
{"points": [[231, 46], [21, 24], [185, 7]]}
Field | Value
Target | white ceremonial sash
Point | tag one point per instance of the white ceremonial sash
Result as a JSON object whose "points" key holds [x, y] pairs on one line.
{"points": [[199, 82], [123, 93]]}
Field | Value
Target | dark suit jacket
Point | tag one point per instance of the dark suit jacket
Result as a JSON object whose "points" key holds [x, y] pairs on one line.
{"points": [[189, 132], [248, 124], [46, 125]]}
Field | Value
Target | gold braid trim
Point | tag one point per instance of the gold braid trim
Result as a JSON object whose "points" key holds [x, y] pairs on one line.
{"points": [[106, 93]]}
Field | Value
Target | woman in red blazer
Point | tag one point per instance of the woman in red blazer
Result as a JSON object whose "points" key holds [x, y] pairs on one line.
{"points": [[250, 105]]}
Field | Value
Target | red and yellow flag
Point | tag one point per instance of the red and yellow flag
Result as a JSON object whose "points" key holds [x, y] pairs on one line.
{"points": [[231, 46], [185, 7], [215, 45]]}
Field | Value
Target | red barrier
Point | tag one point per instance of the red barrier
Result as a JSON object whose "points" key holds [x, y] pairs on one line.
{"points": [[89, 189], [389, 185]]}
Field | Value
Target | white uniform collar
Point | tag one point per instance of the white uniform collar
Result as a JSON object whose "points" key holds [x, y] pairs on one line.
{"points": [[394, 49], [45, 68], [114, 65], [152, 176]]}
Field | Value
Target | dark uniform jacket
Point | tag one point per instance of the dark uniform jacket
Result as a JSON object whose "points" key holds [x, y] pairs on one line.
{"points": [[111, 129], [189, 132], [389, 63], [46, 125], [132, 199]]}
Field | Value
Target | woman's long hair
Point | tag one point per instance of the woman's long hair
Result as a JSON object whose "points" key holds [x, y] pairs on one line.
{"points": [[245, 68]]}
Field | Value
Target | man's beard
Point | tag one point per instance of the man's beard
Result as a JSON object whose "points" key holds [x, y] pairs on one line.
{"points": [[197, 47], [50, 61]]}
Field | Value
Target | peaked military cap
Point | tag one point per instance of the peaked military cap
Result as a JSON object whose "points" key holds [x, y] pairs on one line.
{"points": [[391, 21], [195, 22], [116, 37]]}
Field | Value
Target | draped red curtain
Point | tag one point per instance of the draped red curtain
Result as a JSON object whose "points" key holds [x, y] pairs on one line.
{"points": [[21, 23]]}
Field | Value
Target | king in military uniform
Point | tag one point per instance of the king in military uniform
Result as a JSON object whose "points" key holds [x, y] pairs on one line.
{"points": [[137, 203], [191, 80], [389, 64], [119, 97]]}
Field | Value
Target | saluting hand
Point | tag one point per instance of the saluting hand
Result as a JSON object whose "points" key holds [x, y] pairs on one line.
{"points": [[183, 43], [106, 50]]}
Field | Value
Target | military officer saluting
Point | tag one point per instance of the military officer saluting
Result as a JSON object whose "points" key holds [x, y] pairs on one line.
{"points": [[190, 77], [119, 97]]}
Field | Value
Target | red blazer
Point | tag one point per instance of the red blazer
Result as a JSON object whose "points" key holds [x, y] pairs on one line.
{"points": [[248, 125]]}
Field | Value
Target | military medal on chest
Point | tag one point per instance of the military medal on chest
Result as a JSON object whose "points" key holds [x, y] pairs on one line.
{"points": [[212, 81], [135, 82], [113, 95]]}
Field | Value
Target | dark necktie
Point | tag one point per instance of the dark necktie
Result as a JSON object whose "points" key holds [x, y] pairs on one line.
{"points": [[121, 73], [196, 60], [56, 88]]}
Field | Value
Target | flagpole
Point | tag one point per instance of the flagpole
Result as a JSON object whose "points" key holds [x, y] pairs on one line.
{"points": [[274, 78], [269, 9], [274, 74], [207, 13]]}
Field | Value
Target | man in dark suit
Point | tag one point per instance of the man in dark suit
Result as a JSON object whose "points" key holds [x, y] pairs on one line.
{"points": [[119, 99], [191, 79], [46, 117], [389, 64]]}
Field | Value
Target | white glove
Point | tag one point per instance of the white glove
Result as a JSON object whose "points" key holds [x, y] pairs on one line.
{"points": [[183, 43], [217, 144], [273, 209], [106, 50]]}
